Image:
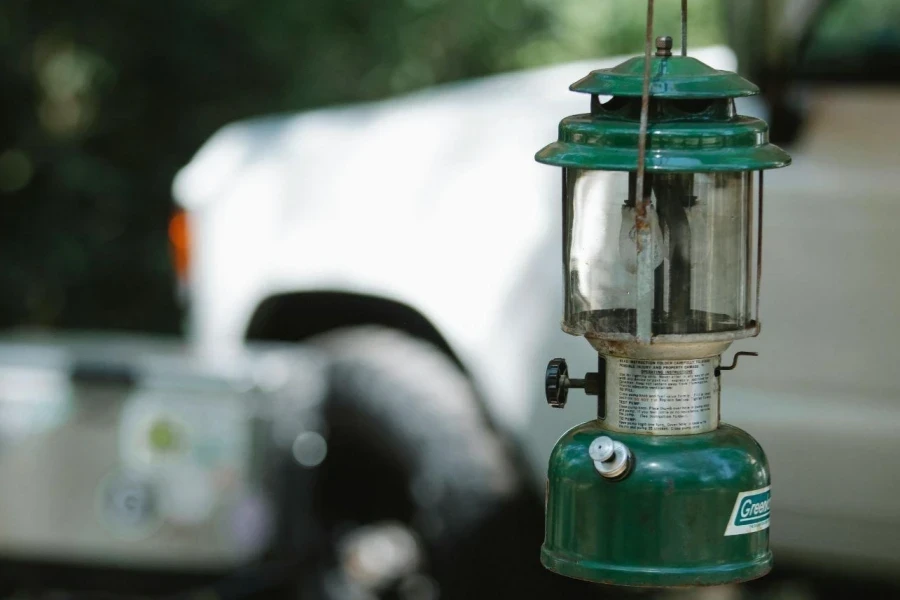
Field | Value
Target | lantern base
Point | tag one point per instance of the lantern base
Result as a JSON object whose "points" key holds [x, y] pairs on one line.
{"points": [[616, 574], [692, 511]]}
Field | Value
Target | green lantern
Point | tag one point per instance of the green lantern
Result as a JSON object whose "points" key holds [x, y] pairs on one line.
{"points": [[660, 250]]}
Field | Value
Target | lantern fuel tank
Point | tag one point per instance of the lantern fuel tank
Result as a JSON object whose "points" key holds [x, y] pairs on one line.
{"points": [[662, 190]]}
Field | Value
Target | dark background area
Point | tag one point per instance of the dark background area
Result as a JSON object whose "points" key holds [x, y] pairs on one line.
{"points": [[104, 100]]}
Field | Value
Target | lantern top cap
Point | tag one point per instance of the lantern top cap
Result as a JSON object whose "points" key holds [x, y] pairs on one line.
{"points": [[673, 77]]}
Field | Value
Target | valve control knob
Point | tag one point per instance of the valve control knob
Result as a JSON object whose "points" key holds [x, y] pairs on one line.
{"points": [[556, 383]]}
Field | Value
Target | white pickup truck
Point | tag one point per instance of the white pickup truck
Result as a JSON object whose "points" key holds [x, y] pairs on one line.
{"points": [[417, 239]]}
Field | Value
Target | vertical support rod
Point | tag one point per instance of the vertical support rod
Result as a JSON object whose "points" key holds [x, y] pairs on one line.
{"points": [[601, 386], [642, 223], [759, 248], [684, 27]]}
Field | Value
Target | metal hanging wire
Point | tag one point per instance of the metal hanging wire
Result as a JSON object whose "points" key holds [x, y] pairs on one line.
{"points": [[642, 223], [759, 236]]}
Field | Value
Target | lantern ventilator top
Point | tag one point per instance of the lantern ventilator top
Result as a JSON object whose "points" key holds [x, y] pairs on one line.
{"points": [[661, 256], [693, 122]]}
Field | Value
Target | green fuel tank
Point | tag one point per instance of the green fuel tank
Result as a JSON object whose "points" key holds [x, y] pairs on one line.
{"points": [[681, 517]]}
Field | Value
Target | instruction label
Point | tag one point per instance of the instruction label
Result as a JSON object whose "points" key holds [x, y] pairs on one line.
{"points": [[662, 396]]}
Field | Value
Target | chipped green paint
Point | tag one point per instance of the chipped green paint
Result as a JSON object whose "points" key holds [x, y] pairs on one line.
{"points": [[740, 144], [674, 77]]}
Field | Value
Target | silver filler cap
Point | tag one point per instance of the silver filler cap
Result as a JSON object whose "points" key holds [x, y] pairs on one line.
{"points": [[612, 459], [601, 449]]}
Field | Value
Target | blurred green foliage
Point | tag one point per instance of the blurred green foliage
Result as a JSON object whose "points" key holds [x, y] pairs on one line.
{"points": [[103, 100], [856, 28]]}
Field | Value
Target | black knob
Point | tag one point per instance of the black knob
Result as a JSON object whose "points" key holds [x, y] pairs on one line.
{"points": [[556, 383]]}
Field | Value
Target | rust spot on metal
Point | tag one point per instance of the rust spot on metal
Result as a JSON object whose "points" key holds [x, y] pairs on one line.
{"points": [[618, 348], [640, 208], [670, 486]]}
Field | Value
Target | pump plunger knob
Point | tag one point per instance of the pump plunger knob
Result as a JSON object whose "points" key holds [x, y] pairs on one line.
{"points": [[556, 383]]}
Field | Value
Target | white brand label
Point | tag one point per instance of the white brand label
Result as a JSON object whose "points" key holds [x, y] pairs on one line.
{"points": [[662, 396], [750, 512]]}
